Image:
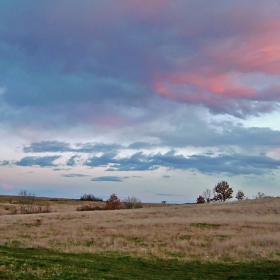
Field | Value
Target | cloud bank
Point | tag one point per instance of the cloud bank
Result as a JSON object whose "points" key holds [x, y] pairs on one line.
{"points": [[110, 91]]}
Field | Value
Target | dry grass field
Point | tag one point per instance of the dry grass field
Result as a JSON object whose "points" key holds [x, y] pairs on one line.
{"points": [[234, 231]]}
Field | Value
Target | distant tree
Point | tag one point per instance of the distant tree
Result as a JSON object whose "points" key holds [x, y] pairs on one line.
{"points": [[200, 199], [240, 195], [113, 203], [260, 195], [222, 191], [207, 195], [90, 197]]}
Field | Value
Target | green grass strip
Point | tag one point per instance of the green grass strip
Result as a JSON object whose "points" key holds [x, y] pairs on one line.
{"points": [[39, 263]]}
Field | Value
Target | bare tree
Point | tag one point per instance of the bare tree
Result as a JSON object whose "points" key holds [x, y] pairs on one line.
{"points": [[259, 195], [207, 195]]}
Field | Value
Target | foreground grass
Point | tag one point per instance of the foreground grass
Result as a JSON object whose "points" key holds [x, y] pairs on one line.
{"points": [[39, 263]]}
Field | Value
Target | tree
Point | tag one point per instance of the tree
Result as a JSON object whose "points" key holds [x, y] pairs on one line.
{"points": [[240, 195], [113, 202], [90, 197], [207, 195], [222, 191], [260, 195], [200, 199]]}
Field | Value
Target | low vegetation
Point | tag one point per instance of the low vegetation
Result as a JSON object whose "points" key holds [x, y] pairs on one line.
{"points": [[90, 207], [27, 203]]}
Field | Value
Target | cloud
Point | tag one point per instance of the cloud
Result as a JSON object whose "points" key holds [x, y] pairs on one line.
{"points": [[74, 175], [140, 145], [168, 194], [130, 86], [48, 146], [218, 134], [7, 186], [231, 164], [46, 161], [56, 146], [108, 179], [95, 63], [201, 134], [72, 161]]}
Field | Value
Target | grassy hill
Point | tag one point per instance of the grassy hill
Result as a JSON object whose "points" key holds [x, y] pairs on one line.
{"points": [[242, 234]]}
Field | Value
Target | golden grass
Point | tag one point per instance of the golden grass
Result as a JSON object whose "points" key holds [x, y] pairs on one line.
{"points": [[240, 231]]}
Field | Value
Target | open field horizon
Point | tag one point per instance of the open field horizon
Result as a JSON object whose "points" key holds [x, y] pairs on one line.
{"points": [[246, 230]]}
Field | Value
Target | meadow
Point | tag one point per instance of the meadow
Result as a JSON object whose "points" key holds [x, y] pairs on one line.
{"points": [[232, 240]]}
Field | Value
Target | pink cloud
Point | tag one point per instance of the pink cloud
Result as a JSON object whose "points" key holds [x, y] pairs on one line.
{"points": [[7, 186]]}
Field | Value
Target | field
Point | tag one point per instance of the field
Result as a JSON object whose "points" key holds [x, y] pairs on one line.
{"points": [[234, 240]]}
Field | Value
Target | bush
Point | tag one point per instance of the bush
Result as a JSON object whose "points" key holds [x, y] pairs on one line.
{"points": [[132, 203], [28, 204], [200, 199], [113, 203], [88, 207], [90, 197]]}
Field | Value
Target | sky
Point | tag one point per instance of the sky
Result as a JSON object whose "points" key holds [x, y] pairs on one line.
{"points": [[158, 99]]}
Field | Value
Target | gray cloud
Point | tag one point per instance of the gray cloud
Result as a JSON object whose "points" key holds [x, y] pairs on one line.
{"points": [[56, 146], [108, 179], [74, 175], [200, 134], [46, 161], [168, 194], [4, 163], [233, 164], [48, 146]]}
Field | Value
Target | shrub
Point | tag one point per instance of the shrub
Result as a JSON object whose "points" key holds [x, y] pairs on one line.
{"points": [[222, 191], [90, 197], [200, 199], [88, 207], [132, 203], [113, 203], [28, 205]]}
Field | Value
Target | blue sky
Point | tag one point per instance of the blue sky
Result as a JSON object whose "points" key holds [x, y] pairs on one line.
{"points": [[158, 99]]}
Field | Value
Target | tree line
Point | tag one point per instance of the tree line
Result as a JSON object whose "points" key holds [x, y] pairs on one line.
{"points": [[220, 193]]}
